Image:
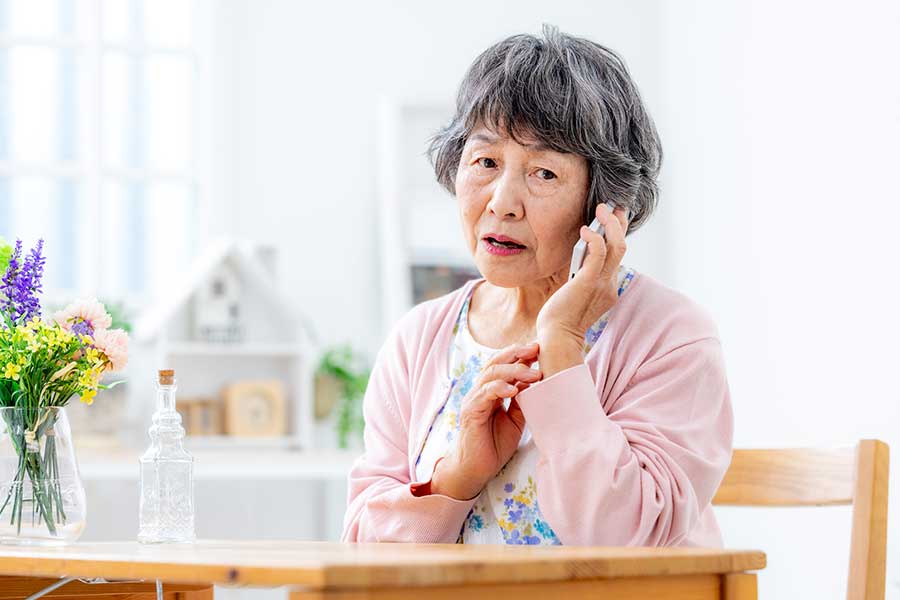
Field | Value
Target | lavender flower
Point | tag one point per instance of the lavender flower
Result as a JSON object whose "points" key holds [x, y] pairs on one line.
{"points": [[31, 286], [22, 283], [8, 287], [83, 328]]}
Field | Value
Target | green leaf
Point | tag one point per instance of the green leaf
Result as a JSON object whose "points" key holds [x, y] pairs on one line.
{"points": [[121, 318], [5, 253], [347, 367], [109, 386]]}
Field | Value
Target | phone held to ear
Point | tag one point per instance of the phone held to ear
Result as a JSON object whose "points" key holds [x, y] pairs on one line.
{"points": [[580, 249]]}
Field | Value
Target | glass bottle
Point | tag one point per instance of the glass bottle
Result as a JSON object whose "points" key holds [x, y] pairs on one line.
{"points": [[167, 473]]}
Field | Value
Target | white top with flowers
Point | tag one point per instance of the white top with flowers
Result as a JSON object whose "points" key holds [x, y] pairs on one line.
{"points": [[506, 511]]}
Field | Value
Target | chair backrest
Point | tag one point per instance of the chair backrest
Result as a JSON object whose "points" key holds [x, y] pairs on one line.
{"points": [[820, 477]]}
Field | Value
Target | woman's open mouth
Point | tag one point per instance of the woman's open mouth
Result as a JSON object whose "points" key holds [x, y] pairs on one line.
{"points": [[501, 248]]}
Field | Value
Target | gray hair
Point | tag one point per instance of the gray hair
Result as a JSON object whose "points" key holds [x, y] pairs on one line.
{"points": [[575, 96]]}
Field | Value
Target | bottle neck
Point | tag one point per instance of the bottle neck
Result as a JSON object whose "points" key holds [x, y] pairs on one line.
{"points": [[165, 398], [166, 432]]}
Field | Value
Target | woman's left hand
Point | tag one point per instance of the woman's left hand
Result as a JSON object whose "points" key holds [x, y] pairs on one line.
{"points": [[567, 314]]}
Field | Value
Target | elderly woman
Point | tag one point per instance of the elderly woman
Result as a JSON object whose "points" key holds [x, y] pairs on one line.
{"points": [[527, 407]]}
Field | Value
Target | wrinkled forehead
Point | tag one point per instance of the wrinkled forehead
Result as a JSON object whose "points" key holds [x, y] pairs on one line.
{"points": [[498, 134]]}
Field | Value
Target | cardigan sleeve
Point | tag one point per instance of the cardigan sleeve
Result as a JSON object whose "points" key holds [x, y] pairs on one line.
{"points": [[381, 505], [642, 474]]}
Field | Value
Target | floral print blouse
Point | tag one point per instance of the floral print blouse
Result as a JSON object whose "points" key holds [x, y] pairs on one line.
{"points": [[506, 511]]}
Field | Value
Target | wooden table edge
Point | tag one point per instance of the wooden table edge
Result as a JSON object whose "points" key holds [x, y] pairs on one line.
{"points": [[507, 567]]}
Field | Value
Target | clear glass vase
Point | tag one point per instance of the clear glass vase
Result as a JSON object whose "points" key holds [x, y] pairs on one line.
{"points": [[42, 499]]}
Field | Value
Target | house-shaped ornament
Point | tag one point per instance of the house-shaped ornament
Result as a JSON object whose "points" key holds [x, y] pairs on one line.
{"points": [[217, 307], [236, 344]]}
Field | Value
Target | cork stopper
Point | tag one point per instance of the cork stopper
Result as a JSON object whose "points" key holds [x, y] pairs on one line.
{"points": [[166, 377]]}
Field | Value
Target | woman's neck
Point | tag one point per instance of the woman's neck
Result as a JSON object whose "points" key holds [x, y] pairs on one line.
{"points": [[501, 316]]}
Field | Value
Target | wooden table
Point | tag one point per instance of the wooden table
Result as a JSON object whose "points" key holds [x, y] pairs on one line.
{"points": [[355, 571]]}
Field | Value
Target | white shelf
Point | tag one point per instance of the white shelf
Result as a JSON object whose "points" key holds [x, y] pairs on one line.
{"points": [[217, 466], [287, 350]]}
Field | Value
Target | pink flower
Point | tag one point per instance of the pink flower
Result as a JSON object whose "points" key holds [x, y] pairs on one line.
{"points": [[114, 344], [85, 316]]}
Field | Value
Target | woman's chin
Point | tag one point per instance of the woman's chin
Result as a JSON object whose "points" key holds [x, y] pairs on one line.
{"points": [[502, 276]]}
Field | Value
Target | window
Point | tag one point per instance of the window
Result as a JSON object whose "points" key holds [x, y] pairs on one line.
{"points": [[98, 139]]}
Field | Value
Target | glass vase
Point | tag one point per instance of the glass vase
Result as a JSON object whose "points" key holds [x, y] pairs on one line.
{"points": [[42, 499]]}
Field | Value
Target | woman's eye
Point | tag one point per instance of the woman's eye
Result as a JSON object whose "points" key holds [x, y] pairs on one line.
{"points": [[487, 163], [546, 174]]}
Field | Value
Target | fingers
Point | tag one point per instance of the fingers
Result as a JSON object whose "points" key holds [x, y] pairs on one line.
{"points": [[605, 252], [481, 404], [515, 414], [615, 243], [505, 375], [521, 385], [494, 384], [622, 215], [514, 353], [510, 373]]}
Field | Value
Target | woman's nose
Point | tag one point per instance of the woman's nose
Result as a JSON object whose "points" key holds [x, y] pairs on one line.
{"points": [[506, 198]]}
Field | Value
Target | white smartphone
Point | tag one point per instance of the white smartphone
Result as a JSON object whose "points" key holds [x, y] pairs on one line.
{"points": [[580, 249]]}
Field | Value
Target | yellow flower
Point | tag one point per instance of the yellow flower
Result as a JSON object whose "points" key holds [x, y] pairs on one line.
{"points": [[503, 523], [451, 418], [87, 396], [12, 371], [521, 497], [52, 338], [90, 378]]}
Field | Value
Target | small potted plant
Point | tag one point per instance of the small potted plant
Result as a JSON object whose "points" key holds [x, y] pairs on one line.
{"points": [[349, 380]]}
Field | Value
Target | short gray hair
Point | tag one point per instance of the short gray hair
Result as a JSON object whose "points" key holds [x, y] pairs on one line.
{"points": [[572, 94]]}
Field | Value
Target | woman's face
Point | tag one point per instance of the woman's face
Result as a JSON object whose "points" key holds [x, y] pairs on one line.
{"points": [[525, 194]]}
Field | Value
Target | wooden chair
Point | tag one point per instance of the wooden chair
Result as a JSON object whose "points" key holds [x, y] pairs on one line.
{"points": [[816, 477]]}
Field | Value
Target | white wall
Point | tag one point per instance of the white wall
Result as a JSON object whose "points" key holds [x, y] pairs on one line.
{"points": [[778, 209], [781, 125]]}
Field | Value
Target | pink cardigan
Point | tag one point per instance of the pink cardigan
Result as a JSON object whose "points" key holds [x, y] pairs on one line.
{"points": [[633, 443]]}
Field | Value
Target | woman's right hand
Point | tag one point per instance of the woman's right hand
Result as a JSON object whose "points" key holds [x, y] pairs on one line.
{"points": [[488, 434]]}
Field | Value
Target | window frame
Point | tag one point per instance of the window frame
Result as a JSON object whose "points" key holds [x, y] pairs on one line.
{"points": [[90, 170]]}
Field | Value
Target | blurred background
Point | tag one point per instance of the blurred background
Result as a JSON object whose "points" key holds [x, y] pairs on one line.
{"points": [[244, 182]]}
